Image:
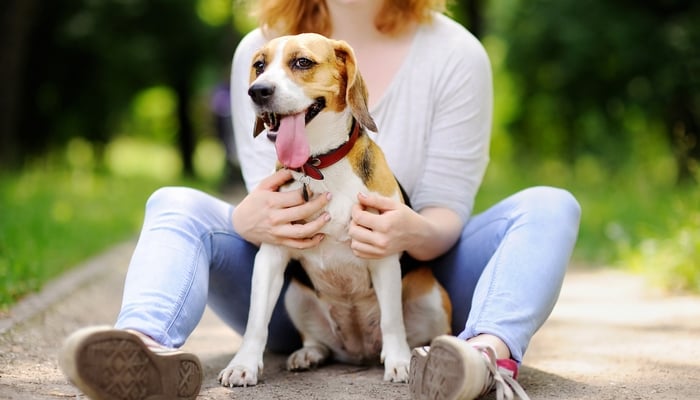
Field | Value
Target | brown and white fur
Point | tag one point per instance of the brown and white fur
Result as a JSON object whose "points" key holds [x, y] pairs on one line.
{"points": [[359, 310]]}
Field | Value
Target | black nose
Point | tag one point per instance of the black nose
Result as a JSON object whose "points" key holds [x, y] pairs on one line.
{"points": [[261, 92]]}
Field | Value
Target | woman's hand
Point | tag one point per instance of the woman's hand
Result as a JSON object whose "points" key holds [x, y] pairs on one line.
{"points": [[266, 215], [380, 227]]}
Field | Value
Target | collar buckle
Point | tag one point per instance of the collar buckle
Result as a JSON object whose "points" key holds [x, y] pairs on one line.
{"points": [[313, 165]]}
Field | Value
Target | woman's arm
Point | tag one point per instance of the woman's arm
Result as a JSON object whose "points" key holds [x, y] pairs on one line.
{"points": [[457, 99], [395, 228]]}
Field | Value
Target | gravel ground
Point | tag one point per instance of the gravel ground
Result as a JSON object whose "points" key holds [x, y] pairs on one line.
{"points": [[609, 337]]}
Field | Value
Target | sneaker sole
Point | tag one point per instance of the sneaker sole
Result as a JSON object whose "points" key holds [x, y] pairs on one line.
{"points": [[110, 364], [443, 372]]}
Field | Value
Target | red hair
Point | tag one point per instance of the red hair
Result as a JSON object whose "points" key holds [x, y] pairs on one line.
{"points": [[291, 17]]}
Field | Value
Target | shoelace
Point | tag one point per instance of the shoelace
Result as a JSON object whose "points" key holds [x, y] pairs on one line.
{"points": [[504, 382]]}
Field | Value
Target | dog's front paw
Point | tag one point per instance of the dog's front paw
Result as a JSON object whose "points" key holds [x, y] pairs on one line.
{"points": [[307, 357], [397, 361], [396, 370], [236, 374]]}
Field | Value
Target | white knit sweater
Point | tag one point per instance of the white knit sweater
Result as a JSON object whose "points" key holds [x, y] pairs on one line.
{"points": [[434, 119]]}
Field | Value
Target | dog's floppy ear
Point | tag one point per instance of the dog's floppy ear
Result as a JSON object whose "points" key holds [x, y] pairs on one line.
{"points": [[355, 90], [259, 126]]}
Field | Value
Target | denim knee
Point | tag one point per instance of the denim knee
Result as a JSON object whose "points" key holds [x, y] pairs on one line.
{"points": [[173, 198], [187, 210], [553, 204]]}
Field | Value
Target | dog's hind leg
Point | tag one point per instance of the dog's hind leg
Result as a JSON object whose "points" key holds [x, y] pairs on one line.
{"points": [[313, 354], [311, 320], [427, 311]]}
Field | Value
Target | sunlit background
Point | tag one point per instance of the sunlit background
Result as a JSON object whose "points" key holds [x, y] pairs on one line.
{"points": [[103, 101]]}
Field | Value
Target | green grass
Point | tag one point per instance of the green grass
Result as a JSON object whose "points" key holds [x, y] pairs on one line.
{"points": [[53, 219], [66, 208], [634, 216], [636, 219]]}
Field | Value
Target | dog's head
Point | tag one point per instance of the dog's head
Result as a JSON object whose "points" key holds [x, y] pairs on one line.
{"points": [[301, 81]]}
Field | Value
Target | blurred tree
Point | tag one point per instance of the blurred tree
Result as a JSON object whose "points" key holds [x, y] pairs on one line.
{"points": [[470, 13], [595, 75], [16, 17], [86, 60], [475, 12]]}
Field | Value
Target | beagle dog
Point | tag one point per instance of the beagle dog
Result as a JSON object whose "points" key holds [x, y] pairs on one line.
{"points": [[309, 96]]}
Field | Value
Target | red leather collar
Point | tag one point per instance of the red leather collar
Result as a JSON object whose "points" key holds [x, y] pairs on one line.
{"points": [[315, 164]]}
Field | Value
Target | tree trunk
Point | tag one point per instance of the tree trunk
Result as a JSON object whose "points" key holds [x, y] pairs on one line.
{"points": [[475, 13], [685, 138], [15, 26], [185, 135]]}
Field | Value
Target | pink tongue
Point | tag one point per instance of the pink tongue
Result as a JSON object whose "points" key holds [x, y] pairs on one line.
{"points": [[291, 144]]}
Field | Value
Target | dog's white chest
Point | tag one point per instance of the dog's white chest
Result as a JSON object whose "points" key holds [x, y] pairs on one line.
{"points": [[344, 187]]}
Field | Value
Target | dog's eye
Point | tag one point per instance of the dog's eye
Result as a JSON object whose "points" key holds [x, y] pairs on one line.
{"points": [[259, 67], [302, 63]]}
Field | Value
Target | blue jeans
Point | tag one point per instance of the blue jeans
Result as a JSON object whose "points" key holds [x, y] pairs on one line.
{"points": [[503, 275]]}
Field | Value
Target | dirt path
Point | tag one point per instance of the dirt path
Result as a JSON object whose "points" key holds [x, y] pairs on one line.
{"points": [[609, 337]]}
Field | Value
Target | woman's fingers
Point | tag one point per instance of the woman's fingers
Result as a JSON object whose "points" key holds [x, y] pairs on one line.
{"points": [[301, 230], [273, 182], [296, 226]]}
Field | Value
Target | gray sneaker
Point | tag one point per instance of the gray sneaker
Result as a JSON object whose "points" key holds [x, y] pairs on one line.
{"points": [[113, 364], [452, 369]]}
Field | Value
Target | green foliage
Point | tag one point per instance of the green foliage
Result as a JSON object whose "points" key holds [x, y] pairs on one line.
{"points": [[603, 99], [55, 218], [594, 77], [152, 114], [67, 207], [214, 12], [87, 60], [629, 219], [671, 257]]}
